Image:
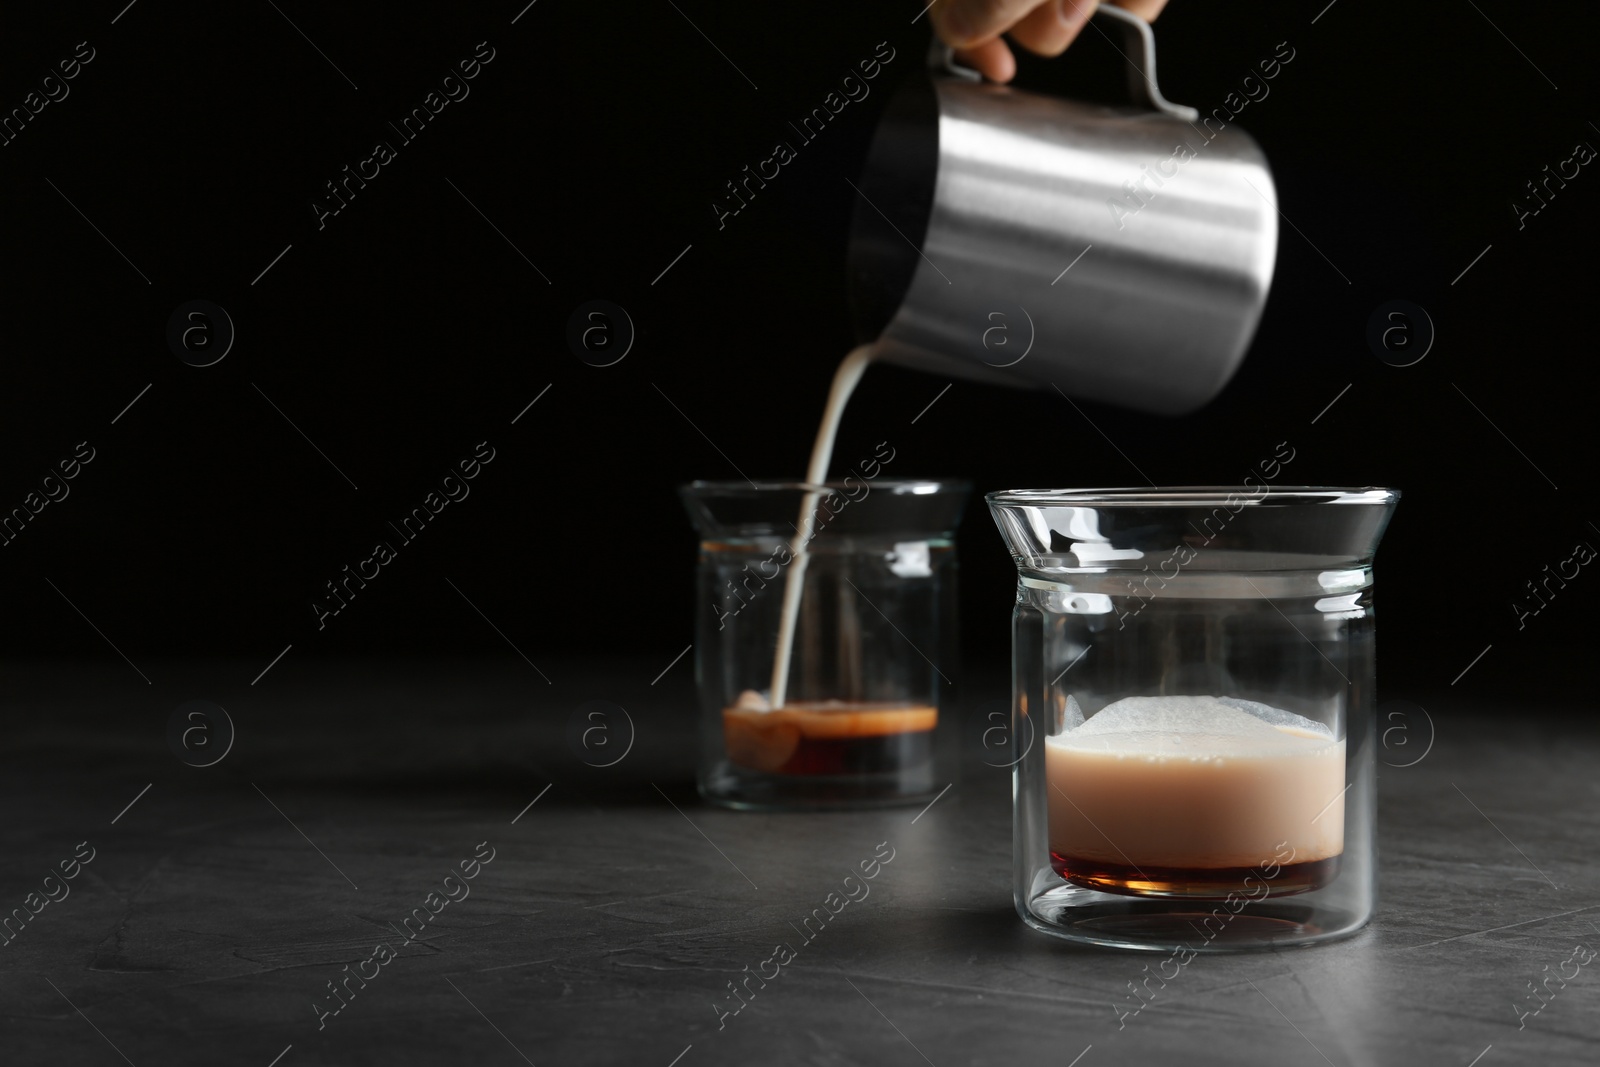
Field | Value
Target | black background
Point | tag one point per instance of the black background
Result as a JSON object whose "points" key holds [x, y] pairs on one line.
{"points": [[407, 329]]}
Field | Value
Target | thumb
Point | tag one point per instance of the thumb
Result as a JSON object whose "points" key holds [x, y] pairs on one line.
{"points": [[961, 23]]}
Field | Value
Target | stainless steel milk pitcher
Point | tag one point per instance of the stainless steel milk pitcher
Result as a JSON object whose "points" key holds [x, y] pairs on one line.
{"points": [[1118, 254]]}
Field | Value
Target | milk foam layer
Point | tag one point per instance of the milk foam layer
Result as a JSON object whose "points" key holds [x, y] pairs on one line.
{"points": [[1194, 781]]}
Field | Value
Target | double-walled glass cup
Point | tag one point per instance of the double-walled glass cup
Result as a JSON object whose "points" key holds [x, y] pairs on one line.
{"points": [[1193, 713], [859, 709]]}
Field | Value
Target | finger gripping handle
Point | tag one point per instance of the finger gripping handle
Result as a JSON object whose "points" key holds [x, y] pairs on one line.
{"points": [[1128, 33]]}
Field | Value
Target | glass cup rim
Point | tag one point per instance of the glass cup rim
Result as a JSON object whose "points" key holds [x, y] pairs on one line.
{"points": [[764, 487], [1194, 496]]}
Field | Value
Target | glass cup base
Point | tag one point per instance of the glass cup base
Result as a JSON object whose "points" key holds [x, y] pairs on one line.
{"points": [[1165, 925], [770, 792]]}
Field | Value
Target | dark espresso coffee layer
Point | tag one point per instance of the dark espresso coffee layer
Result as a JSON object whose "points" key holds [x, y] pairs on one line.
{"points": [[1197, 883], [829, 739]]}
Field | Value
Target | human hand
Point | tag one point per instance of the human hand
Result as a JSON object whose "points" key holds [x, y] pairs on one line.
{"points": [[1045, 27]]}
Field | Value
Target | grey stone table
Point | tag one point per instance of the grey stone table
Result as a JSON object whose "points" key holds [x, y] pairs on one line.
{"points": [[217, 904]]}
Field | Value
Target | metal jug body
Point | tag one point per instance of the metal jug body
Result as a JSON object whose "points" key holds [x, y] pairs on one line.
{"points": [[1117, 254]]}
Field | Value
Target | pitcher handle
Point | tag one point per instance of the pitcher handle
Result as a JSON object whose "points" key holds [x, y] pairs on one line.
{"points": [[1137, 45]]}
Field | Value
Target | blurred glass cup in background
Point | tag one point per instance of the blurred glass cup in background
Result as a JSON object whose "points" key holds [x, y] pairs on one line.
{"points": [[868, 716]]}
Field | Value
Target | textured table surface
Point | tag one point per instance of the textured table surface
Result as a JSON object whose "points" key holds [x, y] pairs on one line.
{"points": [[615, 910]]}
